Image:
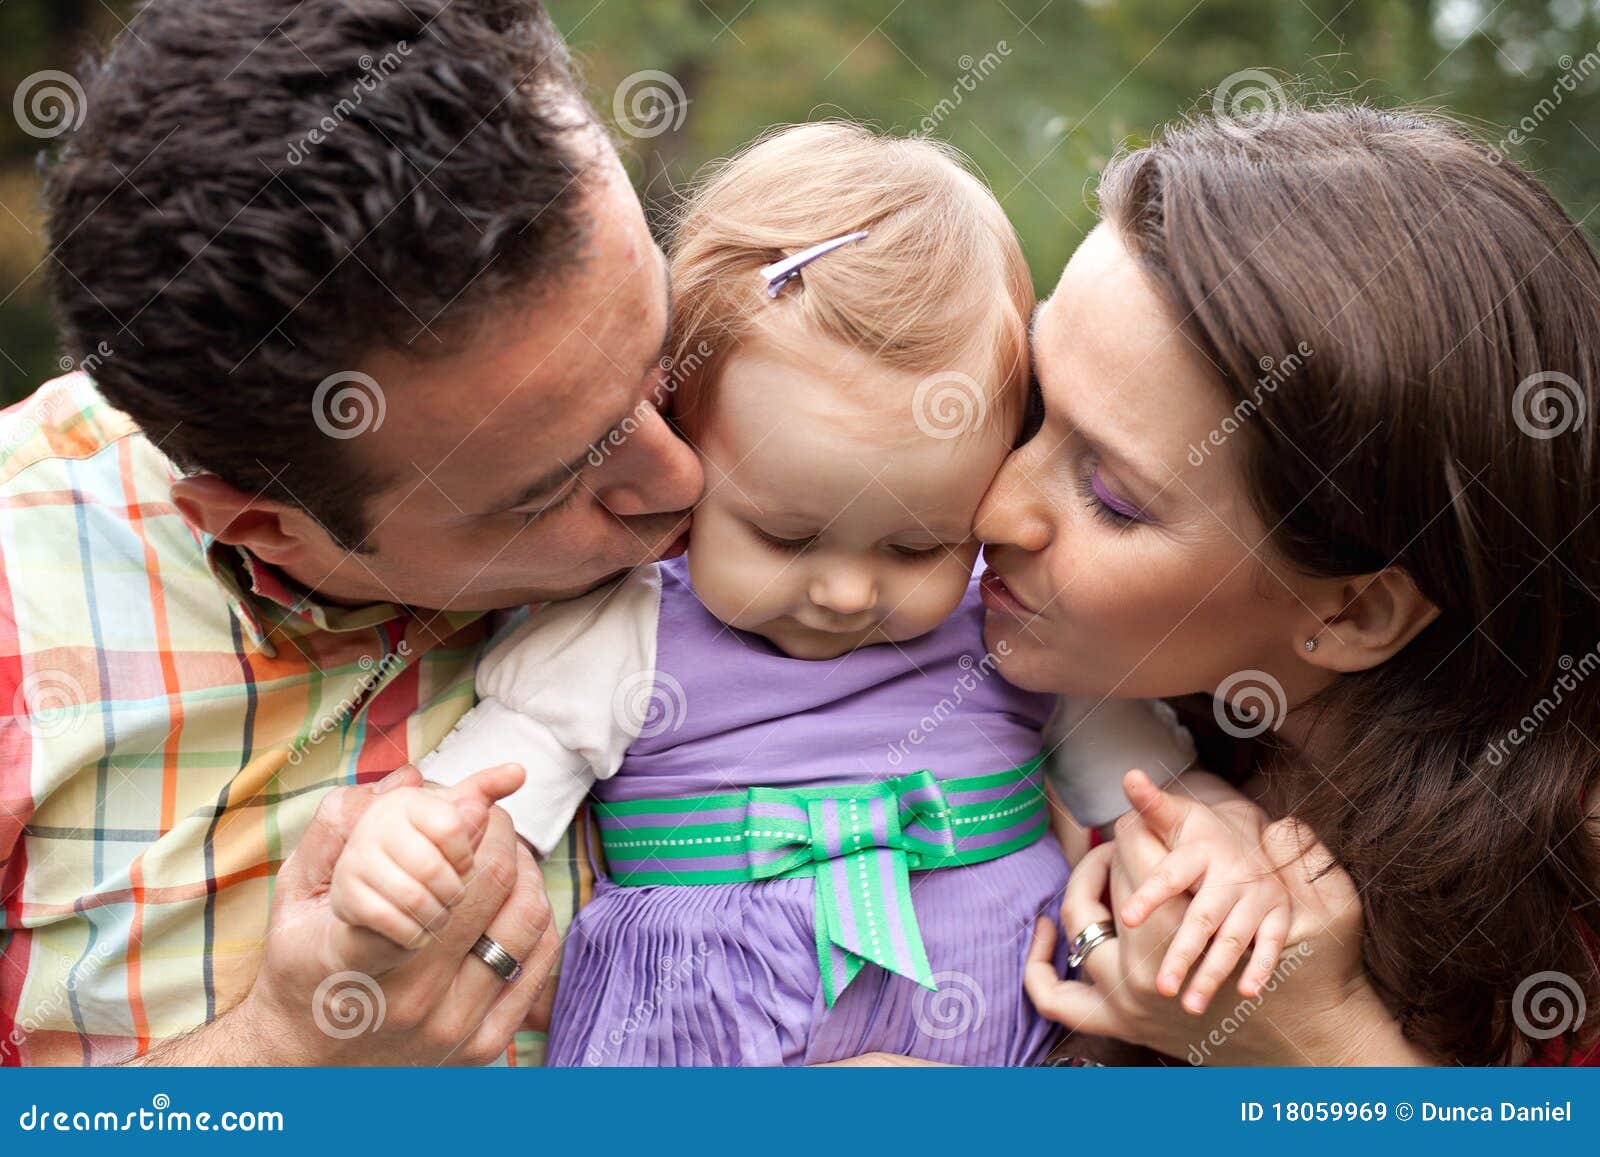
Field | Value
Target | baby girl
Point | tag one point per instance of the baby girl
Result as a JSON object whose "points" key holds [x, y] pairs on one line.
{"points": [[823, 818]]}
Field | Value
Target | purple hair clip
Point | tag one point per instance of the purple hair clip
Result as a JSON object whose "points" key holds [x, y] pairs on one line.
{"points": [[780, 273]]}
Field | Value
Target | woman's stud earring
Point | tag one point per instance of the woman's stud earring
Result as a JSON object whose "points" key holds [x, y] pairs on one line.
{"points": [[1311, 644]]}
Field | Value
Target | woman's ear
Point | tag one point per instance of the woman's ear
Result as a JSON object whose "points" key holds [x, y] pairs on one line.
{"points": [[272, 531], [1365, 621]]}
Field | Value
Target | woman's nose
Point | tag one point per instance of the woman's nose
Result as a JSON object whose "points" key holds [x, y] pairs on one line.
{"points": [[847, 591], [1014, 513], [650, 471]]}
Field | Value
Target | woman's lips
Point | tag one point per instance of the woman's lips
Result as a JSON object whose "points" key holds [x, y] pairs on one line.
{"points": [[999, 597]]}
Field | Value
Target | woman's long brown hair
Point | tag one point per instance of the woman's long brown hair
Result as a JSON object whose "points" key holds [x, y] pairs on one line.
{"points": [[1445, 422]]}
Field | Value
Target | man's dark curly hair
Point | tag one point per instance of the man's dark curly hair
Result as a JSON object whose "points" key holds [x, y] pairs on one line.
{"points": [[264, 191]]}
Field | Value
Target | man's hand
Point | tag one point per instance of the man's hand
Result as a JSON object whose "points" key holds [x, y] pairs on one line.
{"points": [[324, 994]]}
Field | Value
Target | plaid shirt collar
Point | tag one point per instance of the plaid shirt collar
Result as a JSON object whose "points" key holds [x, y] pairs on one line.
{"points": [[268, 603]]}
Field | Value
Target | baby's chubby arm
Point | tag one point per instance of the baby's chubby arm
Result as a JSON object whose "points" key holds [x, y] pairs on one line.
{"points": [[558, 695], [411, 854]]}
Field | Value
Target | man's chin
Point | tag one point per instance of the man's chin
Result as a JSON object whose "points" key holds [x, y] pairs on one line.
{"points": [[674, 548], [669, 540]]}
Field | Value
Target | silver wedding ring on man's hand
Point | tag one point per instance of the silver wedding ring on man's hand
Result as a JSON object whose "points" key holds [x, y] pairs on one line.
{"points": [[505, 965], [1085, 942]]}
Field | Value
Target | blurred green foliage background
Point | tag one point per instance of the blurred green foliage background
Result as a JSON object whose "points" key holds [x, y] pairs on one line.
{"points": [[1037, 92]]}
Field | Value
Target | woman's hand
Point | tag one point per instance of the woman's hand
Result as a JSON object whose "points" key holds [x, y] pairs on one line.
{"points": [[1317, 1008]]}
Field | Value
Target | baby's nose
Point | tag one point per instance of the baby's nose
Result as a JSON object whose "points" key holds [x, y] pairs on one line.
{"points": [[845, 592]]}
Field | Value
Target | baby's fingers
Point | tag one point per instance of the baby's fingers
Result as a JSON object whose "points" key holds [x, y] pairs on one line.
{"points": [[406, 893], [1228, 947], [451, 825], [1270, 937], [1174, 876], [364, 906], [1205, 915], [422, 860]]}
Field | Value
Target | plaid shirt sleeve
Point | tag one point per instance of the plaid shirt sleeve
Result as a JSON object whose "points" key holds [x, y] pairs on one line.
{"points": [[171, 713]]}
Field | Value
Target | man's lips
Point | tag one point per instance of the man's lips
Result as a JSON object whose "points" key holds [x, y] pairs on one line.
{"points": [[997, 596], [676, 547]]}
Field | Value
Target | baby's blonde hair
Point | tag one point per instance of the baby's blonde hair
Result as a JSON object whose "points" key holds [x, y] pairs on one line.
{"points": [[939, 286]]}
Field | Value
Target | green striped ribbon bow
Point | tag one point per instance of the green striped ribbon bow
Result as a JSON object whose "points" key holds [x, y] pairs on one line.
{"points": [[859, 841]]}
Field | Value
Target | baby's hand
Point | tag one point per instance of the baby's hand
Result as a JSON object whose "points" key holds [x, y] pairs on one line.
{"points": [[407, 861], [1215, 853]]}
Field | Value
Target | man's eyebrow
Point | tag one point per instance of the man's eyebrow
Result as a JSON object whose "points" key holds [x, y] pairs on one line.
{"points": [[1033, 325], [542, 486], [666, 334], [552, 480]]}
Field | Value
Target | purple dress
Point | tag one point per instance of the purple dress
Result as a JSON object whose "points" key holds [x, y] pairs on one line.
{"points": [[727, 974]]}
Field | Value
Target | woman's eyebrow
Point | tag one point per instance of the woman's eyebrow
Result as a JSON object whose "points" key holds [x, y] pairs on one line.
{"points": [[1101, 448]]}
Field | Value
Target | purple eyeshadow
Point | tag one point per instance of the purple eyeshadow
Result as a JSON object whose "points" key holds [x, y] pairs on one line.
{"points": [[1121, 505]]}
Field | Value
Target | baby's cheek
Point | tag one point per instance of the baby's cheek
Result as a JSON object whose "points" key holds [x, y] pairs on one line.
{"points": [[927, 599], [730, 578]]}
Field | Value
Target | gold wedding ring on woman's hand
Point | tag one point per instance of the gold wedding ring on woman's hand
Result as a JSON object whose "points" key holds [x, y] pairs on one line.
{"points": [[1093, 935]]}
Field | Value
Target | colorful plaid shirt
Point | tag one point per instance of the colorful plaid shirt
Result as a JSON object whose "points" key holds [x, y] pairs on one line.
{"points": [[173, 712]]}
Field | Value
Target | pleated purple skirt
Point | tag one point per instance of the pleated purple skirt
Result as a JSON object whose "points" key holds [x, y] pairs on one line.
{"points": [[726, 974]]}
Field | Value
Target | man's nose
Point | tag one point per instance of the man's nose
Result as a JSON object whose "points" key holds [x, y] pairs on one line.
{"points": [[652, 471]]}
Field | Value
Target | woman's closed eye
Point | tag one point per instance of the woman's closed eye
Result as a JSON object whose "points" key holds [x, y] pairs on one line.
{"points": [[1107, 504]]}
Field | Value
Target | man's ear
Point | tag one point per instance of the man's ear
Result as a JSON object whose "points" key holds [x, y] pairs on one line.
{"points": [[274, 532], [1365, 620]]}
